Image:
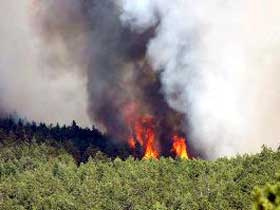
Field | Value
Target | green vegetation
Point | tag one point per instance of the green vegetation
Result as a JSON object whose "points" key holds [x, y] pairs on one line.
{"points": [[37, 171], [267, 198], [38, 176], [81, 143]]}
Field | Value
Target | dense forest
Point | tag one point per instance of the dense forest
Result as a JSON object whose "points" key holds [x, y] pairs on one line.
{"points": [[68, 167], [81, 143]]}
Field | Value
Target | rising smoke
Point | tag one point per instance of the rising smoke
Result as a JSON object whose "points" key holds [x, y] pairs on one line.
{"points": [[207, 68], [120, 83], [220, 67]]}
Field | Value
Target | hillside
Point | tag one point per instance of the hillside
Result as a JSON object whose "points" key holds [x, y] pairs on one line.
{"points": [[37, 174]]}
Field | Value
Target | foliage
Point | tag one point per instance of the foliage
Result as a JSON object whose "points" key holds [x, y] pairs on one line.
{"points": [[54, 167], [268, 197], [39, 176], [79, 142]]}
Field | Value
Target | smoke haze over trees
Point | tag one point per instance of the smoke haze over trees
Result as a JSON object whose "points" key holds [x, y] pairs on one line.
{"points": [[219, 64], [29, 83], [207, 69]]}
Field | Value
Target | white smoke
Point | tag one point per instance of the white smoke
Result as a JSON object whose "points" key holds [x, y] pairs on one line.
{"points": [[27, 85], [220, 66]]}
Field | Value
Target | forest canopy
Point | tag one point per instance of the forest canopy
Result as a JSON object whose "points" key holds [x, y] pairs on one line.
{"points": [[39, 170]]}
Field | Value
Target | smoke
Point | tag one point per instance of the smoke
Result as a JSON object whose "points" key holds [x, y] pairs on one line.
{"points": [[73, 60], [206, 69], [219, 66], [30, 83], [120, 83]]}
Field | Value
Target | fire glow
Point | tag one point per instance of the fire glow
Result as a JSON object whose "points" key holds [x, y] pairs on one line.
{"points": [[144, 135], [179, 147]]}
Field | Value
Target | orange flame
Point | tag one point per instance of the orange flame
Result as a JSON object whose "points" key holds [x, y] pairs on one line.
{"points": [[150, 150], [132, 143], [179, 147], [143, 133]]}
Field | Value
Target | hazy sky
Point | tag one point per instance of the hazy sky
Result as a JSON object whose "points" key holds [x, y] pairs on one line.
{"points": [[28, 82]]}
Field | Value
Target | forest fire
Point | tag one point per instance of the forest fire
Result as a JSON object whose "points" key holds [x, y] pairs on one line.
{"points": [[179, 147], [150, 150], [144, 136]]}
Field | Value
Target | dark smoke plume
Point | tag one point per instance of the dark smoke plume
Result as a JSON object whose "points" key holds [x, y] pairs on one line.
{"points": [[121, 85], [197, 67]]}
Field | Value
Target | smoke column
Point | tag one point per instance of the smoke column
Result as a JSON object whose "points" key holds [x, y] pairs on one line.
{"points": [[74, 60], [219, 65], [208, 69], [120, 82]]}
